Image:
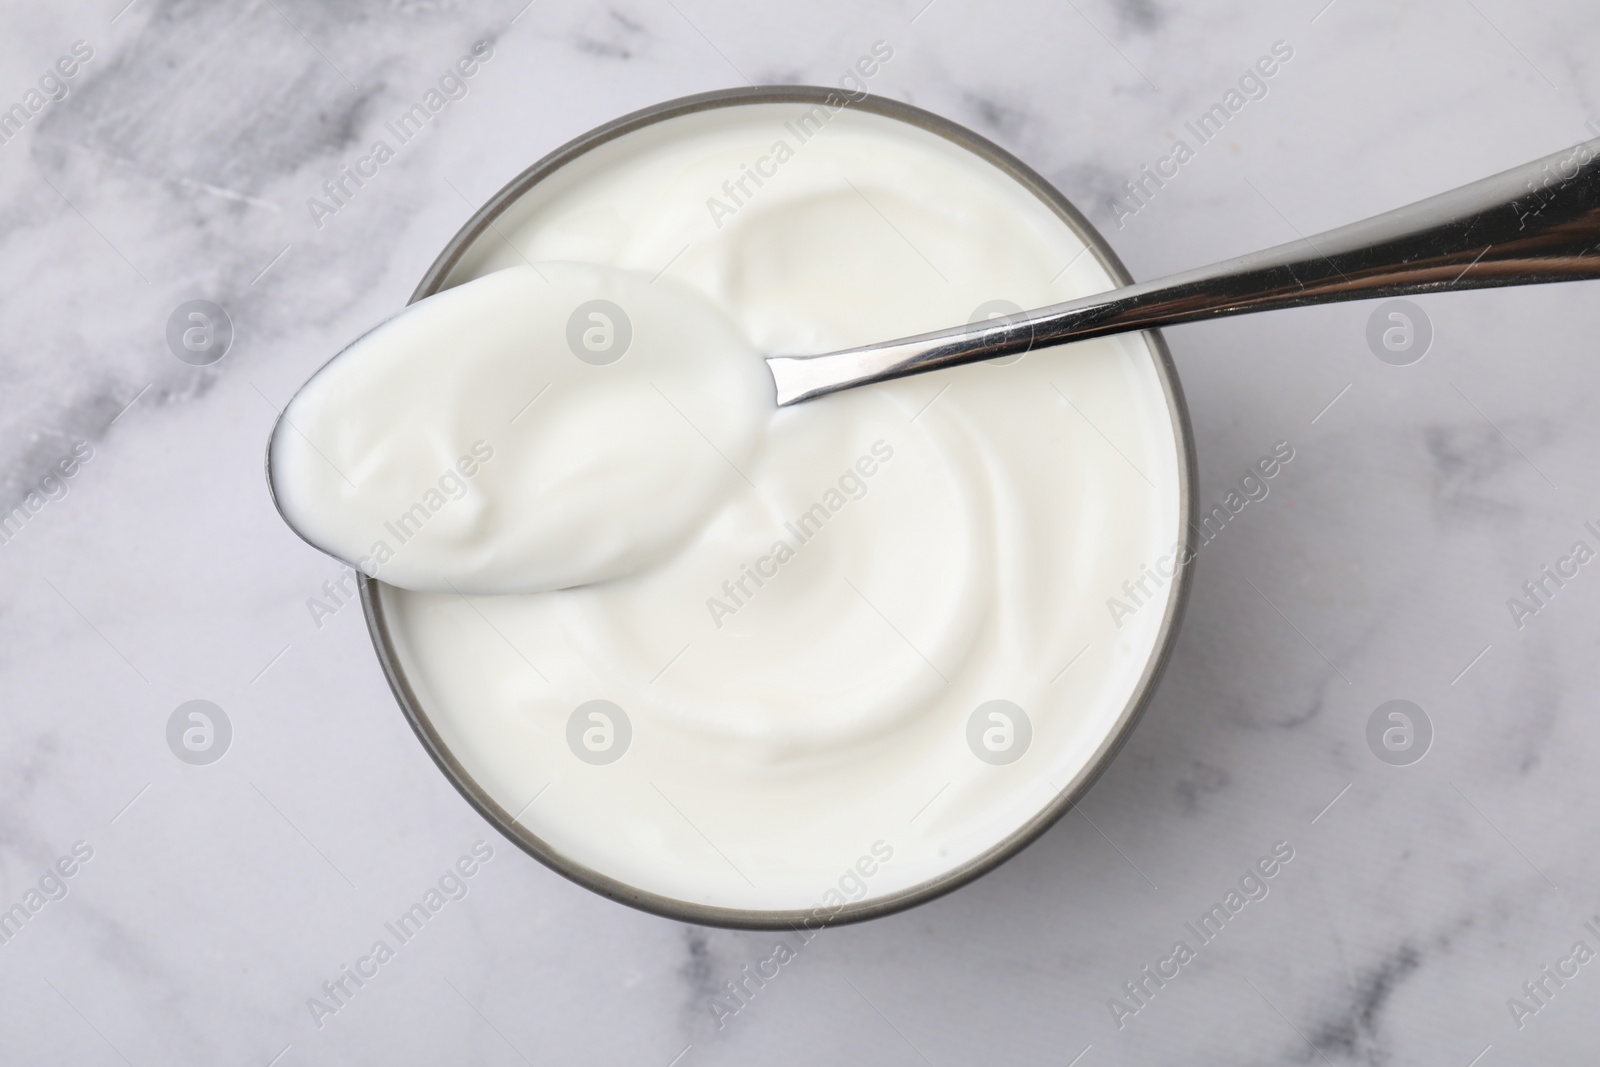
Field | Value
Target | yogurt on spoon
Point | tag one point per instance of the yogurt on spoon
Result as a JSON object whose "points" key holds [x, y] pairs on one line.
{"points": [[492, 439]]}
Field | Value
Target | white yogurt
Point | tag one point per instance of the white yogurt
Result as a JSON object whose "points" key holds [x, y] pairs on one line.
{"points": [[419, 455], [799, 652]]}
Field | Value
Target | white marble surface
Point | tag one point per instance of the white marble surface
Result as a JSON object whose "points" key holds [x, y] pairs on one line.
{"points": [[223, 896]]}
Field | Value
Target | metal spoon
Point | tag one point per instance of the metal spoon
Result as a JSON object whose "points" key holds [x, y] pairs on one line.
{"points": [[1537, 223]]}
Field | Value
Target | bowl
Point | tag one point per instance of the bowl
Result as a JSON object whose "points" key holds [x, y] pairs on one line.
{"points": [[377, 598]]}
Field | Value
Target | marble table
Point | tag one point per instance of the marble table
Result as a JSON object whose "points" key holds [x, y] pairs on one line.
{"points": [[189, 913]]}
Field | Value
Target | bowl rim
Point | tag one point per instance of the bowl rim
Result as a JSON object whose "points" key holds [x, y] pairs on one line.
{"points": [[986, 861]]}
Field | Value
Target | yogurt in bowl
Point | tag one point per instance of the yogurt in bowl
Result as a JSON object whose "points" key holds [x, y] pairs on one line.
{"points": [[870, 651]]}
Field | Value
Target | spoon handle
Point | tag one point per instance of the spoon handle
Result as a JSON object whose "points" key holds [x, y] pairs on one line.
{"points": [[1537, 223]]}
